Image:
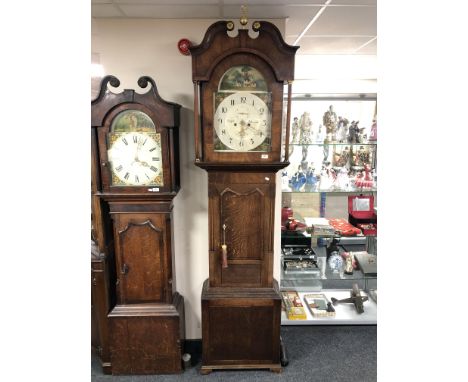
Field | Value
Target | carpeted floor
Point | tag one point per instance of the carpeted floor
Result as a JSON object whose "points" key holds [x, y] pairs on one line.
{"points": [[316, 353]]}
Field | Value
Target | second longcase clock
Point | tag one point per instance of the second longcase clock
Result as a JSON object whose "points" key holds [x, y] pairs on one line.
{"points": [[137, 167]]}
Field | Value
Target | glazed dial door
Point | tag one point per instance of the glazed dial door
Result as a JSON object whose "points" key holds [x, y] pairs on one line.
{"points": [[134, 151], [242, 111]]}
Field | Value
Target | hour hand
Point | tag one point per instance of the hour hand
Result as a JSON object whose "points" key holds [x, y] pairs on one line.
{"points": [[144, 164]]}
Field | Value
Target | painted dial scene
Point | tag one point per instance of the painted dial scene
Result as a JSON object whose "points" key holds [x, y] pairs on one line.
{"points": [[135, 159]]}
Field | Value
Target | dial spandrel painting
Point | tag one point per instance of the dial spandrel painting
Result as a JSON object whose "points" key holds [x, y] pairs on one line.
{"points": [[242, 119], [134, 150]]}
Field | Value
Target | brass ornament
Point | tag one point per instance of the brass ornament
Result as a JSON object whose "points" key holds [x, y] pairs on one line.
{"points": [[230, 27], [243, 19]]}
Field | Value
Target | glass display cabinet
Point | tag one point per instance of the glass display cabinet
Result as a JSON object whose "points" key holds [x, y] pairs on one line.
{"points": [[329, 213]]}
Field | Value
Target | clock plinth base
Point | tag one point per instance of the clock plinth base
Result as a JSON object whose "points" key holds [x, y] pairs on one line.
{"points": [[241, 328], [147, 338]]}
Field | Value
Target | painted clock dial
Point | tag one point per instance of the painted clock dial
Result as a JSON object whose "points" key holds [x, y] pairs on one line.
{"points": [[242, 121], [134, 151], [242, 117]]}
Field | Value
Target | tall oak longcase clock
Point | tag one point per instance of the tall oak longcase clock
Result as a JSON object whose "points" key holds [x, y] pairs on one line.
{"points": [[135, 167], [238, 84]]}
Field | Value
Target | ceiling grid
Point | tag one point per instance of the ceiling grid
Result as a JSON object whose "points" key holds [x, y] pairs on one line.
{"points": [[320, 27]]}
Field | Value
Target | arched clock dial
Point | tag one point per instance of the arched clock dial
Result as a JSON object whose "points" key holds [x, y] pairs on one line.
{"points": [[135, 159], [242, 122]]}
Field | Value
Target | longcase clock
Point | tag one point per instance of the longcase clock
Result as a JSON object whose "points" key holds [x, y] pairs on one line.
{"points": [[135, 178], [238, 84]]}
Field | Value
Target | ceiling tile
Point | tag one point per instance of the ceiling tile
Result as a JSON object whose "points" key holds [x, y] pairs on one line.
{"points": [[233, 11], [165, 2], [273, 2], [171, 11], [370, 48], [342, 21], [354, 2], [331, 45], [105, 10]]}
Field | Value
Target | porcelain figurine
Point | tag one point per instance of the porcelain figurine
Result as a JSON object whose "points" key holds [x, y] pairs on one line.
{"points": [[342, 133], [295, 131], [298, 180], [305, 129], [330, 121], [349, 265], [285, 182], [342, 181], [311, 180], [327, 177], [365, 180], [353, 132], [321, 135], [373, 132]]}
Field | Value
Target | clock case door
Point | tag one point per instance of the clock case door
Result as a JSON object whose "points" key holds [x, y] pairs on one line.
{"points": [[143, 255], [244, 203], [164, 115]]}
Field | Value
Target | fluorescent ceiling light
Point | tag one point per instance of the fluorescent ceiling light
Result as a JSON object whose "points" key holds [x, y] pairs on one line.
{"points": [[312, 21]]}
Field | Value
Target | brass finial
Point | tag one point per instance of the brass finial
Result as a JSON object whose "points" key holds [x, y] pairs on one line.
{"points": [[243, 19]]}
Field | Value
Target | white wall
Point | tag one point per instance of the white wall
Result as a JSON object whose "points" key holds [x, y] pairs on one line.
{"points": [[132, 48]]}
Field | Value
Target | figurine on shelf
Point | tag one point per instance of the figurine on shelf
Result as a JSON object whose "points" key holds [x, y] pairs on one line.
{"points": [[349, 266], [298, 180], [341, 158], [373, 132], [364, 180], [327, 176], [305, 152], [342, 181], [362, 156], [285, 182], [311, 180], [330, 120], [354, 263], [374, 176], [321, 135], [342, 133], [305, 128], [295, 131], [353, 133]]}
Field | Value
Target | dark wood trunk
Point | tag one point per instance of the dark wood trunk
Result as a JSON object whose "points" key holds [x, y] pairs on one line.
{"points": [[147, 338], [241, 328]]}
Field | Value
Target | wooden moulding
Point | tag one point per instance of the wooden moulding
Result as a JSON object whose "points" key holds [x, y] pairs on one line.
{"points": [[245, 167], [269, 45]]}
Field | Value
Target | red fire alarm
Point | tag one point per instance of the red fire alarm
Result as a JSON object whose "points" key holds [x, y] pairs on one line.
{"points": [[184, 46]]}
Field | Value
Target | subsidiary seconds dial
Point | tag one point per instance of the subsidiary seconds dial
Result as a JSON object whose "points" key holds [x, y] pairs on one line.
{"points": [[242, 121], [136, 159]]}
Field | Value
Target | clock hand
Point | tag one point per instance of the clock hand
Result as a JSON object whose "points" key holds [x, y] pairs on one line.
{"points": [[242, 129], [144, 164]]}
